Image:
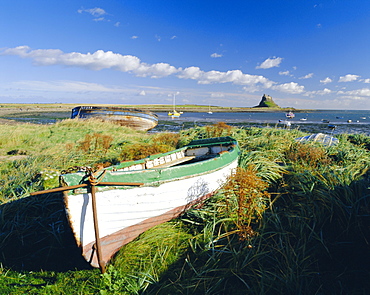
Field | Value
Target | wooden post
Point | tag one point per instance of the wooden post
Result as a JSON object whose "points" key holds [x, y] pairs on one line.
{"points": [[96, 228]]}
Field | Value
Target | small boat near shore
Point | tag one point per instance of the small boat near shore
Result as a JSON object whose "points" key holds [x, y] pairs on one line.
{"points": [[129, 117], [290, 115], [109, 208], [174, 114]]}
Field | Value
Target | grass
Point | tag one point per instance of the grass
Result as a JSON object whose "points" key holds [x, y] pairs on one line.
{"points": [[294, 219], [63, 145]]}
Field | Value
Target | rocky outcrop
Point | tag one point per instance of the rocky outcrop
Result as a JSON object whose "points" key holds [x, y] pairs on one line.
{"points": [[267, 102]]}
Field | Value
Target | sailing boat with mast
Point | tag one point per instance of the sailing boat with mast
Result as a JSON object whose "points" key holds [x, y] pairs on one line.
{"points": [[174, 113]]}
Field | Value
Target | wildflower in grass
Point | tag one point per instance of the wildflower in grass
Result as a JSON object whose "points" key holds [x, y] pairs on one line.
{"points": [[49, 178]]}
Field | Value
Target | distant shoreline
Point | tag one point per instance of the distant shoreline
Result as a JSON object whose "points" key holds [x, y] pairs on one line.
{"points": [[15, 114], [19, 108]]}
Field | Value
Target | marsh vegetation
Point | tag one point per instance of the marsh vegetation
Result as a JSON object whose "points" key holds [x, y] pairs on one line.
{"points": [[293, 219]]}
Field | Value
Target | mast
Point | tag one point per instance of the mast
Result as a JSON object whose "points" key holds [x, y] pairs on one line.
{"points": [[173, 103]]}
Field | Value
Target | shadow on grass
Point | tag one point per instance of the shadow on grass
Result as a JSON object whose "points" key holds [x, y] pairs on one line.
{"points": [[298, 250], [35, 235], [342, 269]]}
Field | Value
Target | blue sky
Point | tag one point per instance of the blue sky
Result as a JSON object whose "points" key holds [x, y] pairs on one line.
{"points": [[305, 54]]}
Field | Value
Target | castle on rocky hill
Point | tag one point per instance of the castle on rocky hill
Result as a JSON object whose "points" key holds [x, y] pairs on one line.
{"points": [[267, 102]]}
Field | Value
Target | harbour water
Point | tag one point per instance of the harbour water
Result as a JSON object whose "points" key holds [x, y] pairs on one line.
{"points": [[343, 121], [326, 121]]}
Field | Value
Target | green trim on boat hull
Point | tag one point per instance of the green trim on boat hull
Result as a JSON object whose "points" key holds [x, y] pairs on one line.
{"points": [[156, 176]]}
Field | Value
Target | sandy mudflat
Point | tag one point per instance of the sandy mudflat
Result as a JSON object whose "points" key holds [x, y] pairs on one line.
{"points": [[10, 111], [24, 108], [9, 122]]}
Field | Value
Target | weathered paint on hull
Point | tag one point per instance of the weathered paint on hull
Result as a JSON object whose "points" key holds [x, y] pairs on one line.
{"points": [[113, 243], [124, 214], [171, 182]]}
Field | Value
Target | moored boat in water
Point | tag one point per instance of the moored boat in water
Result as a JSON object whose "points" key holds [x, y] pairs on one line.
{"points": [[174, 113], [111, 207], [129, 117], [290, 115]]}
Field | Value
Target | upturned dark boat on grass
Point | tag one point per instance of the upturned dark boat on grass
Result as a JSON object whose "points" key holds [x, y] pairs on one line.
{"points": [[325, 139], [133, 118], [111, 207]]}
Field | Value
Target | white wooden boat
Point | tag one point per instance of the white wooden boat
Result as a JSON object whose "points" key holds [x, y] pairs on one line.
{"points": [[109, 208]]}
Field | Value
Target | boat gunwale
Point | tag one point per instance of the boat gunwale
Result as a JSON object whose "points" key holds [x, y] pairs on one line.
{"points": [[158, 175], [111, 242], [159, 171]]}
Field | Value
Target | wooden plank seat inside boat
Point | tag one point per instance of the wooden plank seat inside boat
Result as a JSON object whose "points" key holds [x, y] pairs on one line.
{"points": [[194, 154], [176, 162]]}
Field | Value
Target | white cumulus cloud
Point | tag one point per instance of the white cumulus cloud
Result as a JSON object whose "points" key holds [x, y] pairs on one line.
{"points": [[358, 92], [191, 73], [95, 61], [292, 87], [235, 76], [326, 80], [270, 63], [325, 91], [308, 76], [100, 59], [348, 78], [318, 92]]}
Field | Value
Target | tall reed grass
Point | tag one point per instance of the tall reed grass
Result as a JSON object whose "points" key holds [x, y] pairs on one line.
{"points": [[66, 144], [315, 224], [293, 220]]}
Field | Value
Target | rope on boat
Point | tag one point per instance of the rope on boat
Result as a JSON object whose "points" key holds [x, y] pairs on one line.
{"points": [[95, 181]]}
